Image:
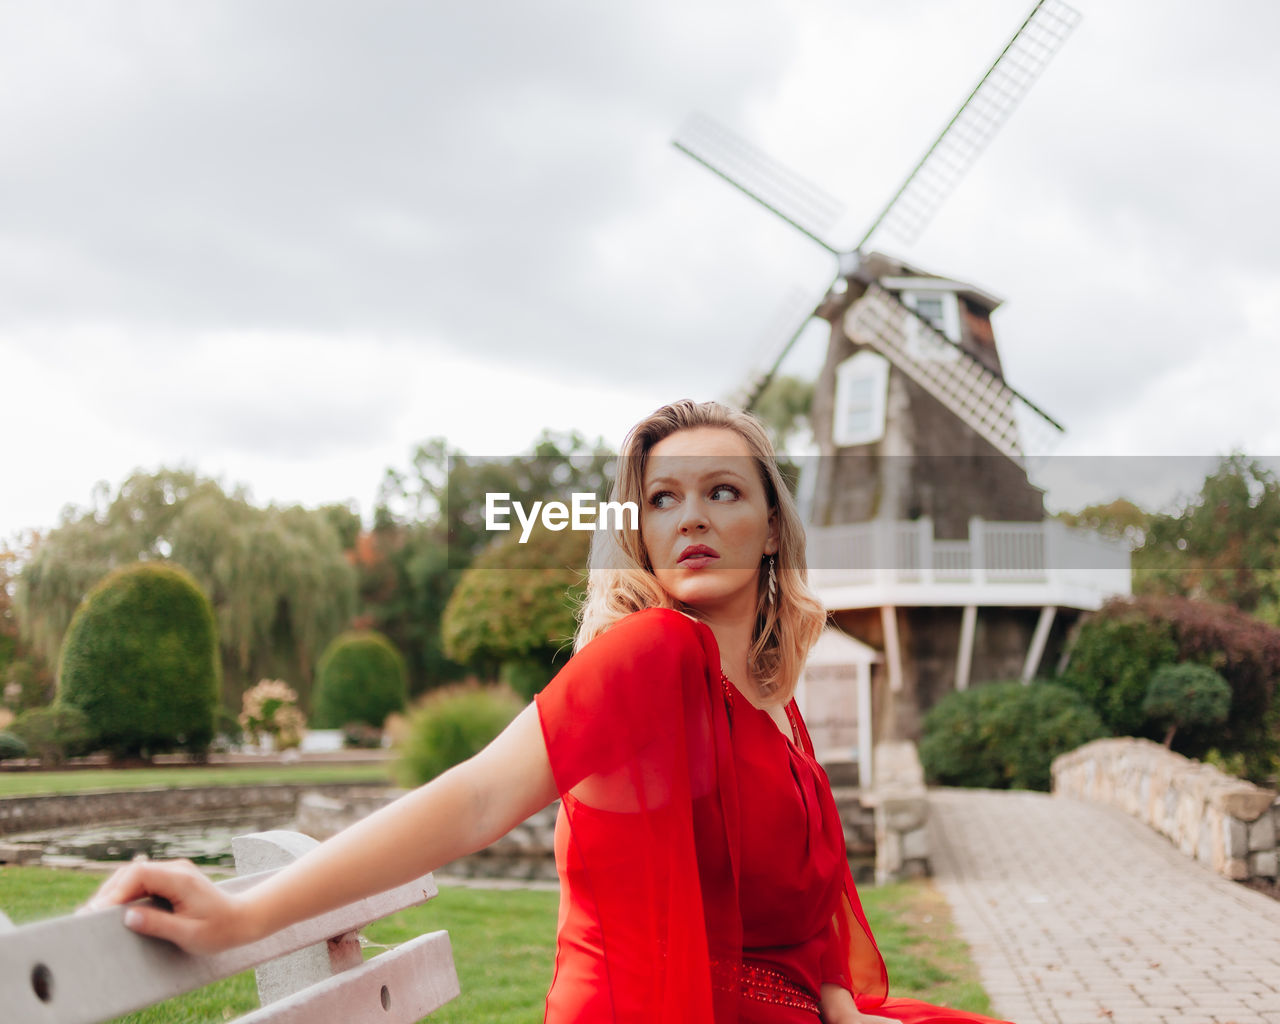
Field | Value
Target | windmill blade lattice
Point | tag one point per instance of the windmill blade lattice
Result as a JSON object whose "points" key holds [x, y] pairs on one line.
{"points": [[792, 316], [960, 382], [978, 119], [773, 185]]}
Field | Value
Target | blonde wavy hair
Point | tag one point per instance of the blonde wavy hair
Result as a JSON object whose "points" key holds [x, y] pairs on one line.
{"points": [[621, 580]]}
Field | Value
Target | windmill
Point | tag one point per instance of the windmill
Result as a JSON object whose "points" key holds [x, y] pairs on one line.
{"points": [[922, 439], [868, 313]]}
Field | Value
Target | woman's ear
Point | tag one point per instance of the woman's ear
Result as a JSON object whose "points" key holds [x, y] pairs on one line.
{"points": [[771, 542]]}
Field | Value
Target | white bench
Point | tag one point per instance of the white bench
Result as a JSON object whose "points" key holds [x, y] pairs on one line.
{"points": [[87, 968]]}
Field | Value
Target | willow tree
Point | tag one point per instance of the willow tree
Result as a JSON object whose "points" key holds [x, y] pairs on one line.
{"points": [[278, 578]]}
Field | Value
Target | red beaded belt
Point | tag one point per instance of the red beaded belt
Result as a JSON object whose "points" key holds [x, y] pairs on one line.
{"points": [[765, 985]]}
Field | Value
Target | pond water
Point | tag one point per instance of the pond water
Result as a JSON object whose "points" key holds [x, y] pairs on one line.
{"points": [[204, 841]]}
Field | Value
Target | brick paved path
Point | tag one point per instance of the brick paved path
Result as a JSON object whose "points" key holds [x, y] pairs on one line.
{"points": [[1078, 914]]}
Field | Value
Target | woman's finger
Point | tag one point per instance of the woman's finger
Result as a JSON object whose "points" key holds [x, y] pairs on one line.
{"points": [[106, 894], [160, 924], [168, 879]]}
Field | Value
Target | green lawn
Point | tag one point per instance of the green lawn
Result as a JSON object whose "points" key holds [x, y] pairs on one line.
{"points": [[503, 943], [41, 782]]}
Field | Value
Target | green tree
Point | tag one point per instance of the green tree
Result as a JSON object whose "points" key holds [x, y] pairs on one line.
{"points": [[1223, 544], [278, 578], [405, 583], [429, 527], [25, 679], [361, 678], [1119, 648], [785, 407], [1186, 695], [1120, 519], [141, 661], [513, 612], [1113, 657], [1004, 735]]}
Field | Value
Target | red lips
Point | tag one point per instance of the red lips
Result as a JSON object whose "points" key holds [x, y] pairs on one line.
{"points": [[699, 553]]}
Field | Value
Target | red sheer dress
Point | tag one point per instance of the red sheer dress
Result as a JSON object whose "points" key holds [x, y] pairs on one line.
{"points": [[701, 857]]}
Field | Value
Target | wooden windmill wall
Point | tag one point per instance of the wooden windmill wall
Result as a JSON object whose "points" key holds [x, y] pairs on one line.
{"points": [[927, 462], [929, 466]]}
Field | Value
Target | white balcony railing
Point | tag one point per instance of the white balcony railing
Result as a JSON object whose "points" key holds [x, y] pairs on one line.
{"points": [[1046, 560]]}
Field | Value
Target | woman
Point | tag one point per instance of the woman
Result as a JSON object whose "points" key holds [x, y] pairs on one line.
{"points": [[701, 856]]}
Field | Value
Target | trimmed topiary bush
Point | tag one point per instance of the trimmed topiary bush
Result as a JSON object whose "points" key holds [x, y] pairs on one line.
{"points": [[11, 746], [1004, 735], [53, 733], [1186, 695], [1112, 661], [140, 659], [1119, 648], [361, 678], [451, 725]]}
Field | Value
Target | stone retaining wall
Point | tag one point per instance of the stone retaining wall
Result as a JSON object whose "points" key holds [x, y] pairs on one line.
{"points": [[1224, 822], [71, 810], [528, 850]]}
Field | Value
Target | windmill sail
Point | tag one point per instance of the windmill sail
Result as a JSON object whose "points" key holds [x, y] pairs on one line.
{"points": [[980, 116], [753, 172], [979, 397], [793, 316]]}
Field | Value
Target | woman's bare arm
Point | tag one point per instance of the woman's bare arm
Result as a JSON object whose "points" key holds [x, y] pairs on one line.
{"points": [[461, 811]]}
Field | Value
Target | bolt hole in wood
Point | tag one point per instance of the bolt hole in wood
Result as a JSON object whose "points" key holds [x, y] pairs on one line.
{"points": [[386, 998], [42, 982]]}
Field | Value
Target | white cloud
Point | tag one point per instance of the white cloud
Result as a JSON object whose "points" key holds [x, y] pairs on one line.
{"points": [[285, 242]]}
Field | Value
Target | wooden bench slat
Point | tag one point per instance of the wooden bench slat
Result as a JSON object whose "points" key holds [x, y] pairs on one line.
{"points": [[400, 986], [95, 968]]}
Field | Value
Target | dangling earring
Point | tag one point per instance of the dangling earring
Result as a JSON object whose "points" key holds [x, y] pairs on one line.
{"points": [[773, 582]]}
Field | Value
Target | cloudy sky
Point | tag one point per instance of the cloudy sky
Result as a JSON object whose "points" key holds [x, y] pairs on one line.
{"points": [[282, 242]]}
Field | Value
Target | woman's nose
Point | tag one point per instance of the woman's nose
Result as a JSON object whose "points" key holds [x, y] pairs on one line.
{"points": [[694, 517]]}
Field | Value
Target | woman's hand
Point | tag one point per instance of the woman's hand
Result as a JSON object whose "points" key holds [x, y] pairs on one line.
{"points": [[204, 919], [838, 1007]]}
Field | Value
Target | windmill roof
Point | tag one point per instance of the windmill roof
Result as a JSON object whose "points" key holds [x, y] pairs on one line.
{"points": [[896, 275]]}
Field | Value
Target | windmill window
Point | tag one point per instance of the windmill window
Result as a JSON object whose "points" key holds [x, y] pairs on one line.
{"points": [[941, 311], [862, 383], [930, 308]]}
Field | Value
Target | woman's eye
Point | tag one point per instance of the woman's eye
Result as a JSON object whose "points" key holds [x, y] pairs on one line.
{"points": [[663, 499], [724, 493]]}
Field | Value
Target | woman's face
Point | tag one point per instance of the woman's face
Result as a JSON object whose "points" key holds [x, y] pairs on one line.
{"points": [[705, 520]]}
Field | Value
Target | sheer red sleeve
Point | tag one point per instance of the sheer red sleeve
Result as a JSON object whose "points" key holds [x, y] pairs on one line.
{"points": [[638, 739], [852, 958]]}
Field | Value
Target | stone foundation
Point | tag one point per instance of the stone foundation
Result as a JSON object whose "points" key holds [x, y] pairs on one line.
{"points": [[901, 806], [1226, 823]]}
